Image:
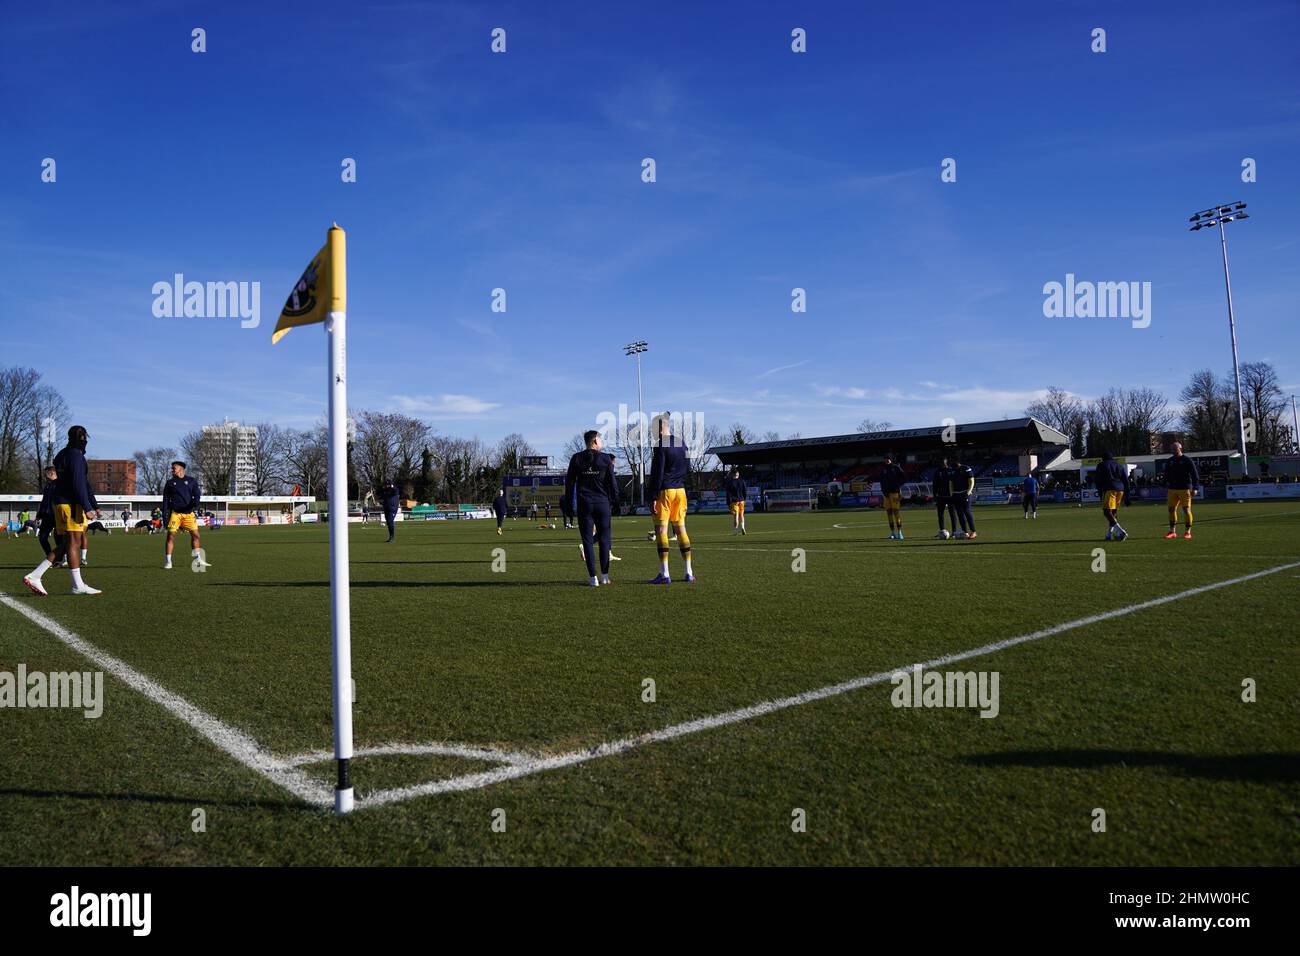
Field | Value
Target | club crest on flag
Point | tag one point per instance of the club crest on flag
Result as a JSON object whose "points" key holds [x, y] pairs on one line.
{"points": [[320, 289], [302, 300]]}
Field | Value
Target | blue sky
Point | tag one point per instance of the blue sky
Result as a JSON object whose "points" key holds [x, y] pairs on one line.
{"points": [[775, 170]]}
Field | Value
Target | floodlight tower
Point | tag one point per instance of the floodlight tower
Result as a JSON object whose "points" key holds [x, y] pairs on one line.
{"points": [[636, 348], [1217, 216]]}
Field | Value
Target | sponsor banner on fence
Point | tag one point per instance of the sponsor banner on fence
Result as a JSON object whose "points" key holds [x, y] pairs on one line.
{"points": [[1253, 492], [457, 515]]}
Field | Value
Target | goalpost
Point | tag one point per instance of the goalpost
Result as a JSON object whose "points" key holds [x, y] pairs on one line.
{"points": [[790, 499]]}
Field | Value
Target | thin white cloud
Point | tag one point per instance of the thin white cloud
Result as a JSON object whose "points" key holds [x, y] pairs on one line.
{"points": [[446, 404], [782, 368]]}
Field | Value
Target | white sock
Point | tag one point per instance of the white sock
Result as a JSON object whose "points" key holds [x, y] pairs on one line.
{"points": [[169, 559], [76, 578], [688, 564], [663, 567], [595, 581], [40, 569], [83, 554], [604, 579]]}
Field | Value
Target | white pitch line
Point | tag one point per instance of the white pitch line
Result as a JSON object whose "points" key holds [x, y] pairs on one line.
{"points": [[432, 749], [234, 742], [475, 781], [999, 553]]}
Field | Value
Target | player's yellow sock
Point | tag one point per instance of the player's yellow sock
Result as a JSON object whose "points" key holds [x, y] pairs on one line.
{"points": [[1173, 516], [898, 520], [1189, 518]]}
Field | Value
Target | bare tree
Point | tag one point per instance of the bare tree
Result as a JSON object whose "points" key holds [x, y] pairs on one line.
{"points": [[740, 434], [211, 453], [510, 452], [1263, 401], [19, 388], [389, 446], [573, 446], [152, 467], [268, 458], [306, 460], [465, 471], [49, 421], [631, 444], [712, 437], [869, 425], [1064, 412], [1123, 420], [1209, 411]]}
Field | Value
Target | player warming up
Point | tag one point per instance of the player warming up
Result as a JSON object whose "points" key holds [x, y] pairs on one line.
{"points": [[1181, 480], [1111, 479], [591, 492], [499, 508], [72, 507], [963, 486], [737, 493], [942, 485], [668, 485], [1029, 495], [181, 497], [391, 498], [891, 488]]}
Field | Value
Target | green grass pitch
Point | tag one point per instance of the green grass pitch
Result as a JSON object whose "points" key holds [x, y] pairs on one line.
{"points": [[1140, 715]]}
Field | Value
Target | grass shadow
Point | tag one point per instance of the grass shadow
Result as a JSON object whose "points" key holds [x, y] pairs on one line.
{"points": [[1253, 768]]}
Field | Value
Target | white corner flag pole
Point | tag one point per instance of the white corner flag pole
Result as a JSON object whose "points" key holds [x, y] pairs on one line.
{"points": [[341, 613], [340, 603]]}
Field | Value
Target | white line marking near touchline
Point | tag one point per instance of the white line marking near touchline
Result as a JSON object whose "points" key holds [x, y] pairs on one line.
{"points": [[433, 749], [234, 742], [475, 781]]}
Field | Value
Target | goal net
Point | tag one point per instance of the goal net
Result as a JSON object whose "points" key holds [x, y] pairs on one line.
{"points": [[791, 499]]}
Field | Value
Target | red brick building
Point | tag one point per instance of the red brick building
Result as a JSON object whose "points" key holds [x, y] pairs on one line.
{"points": [[110, 476]]}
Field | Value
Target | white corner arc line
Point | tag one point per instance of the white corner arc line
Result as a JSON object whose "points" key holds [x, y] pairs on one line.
{"points": [[431, 749], [234, 742], [486, 778]]}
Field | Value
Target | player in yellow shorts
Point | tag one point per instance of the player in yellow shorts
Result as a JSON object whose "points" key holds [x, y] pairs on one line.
{"points": [[737, 493], [892, 479], [1181, 480], [181, 497], [668, 482], [180, 522], [1112, 481], [73, 506]]}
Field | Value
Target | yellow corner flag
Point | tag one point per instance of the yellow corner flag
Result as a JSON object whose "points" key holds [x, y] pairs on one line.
{"points": [[322, 289]]}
